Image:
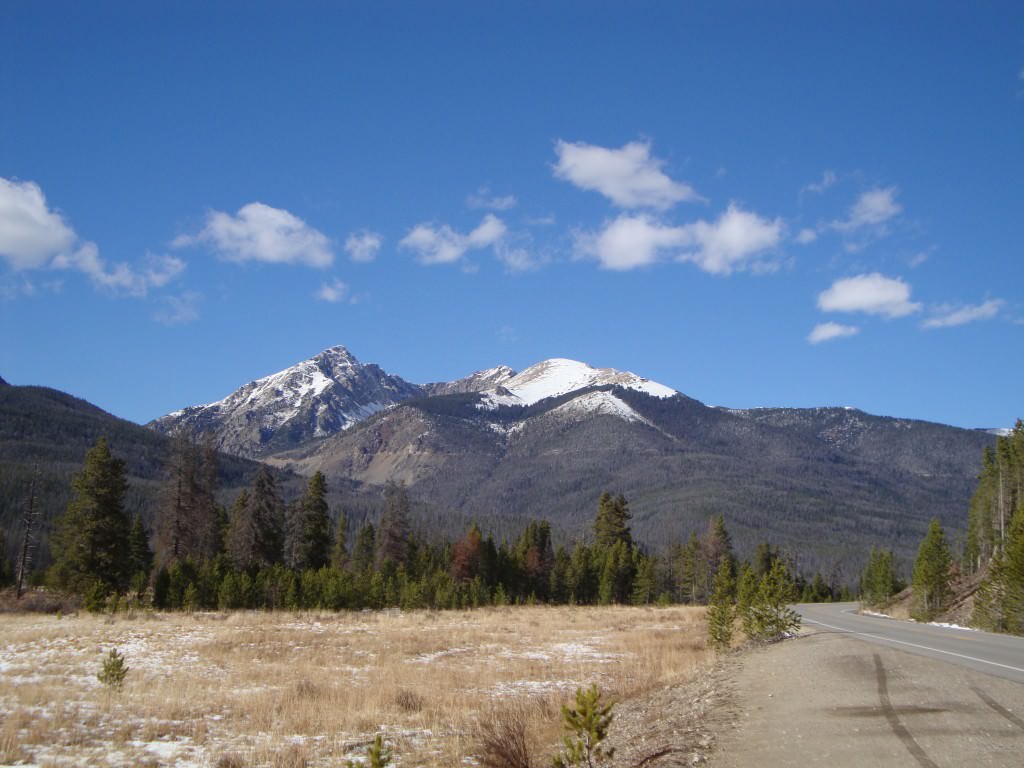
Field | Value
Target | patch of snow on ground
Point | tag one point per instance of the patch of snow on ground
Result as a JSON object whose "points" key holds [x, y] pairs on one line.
{"points": [[867, 612], [947, 625]]}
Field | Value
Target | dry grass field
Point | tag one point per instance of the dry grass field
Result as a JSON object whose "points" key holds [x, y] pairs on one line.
{"points": [[289, 690]]}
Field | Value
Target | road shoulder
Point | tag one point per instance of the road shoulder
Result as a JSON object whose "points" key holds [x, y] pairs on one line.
{"points": [[829, 699]]}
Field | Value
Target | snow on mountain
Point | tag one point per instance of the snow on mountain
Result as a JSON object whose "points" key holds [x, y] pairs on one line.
{"points": [[1000, 431], [480, 381], [598, 404], [323, 395], [558, 376]]}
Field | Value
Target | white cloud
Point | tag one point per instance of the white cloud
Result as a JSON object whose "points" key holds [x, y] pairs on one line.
{"points": [[34, 237], [30, 233], [121, 278], [873, 294], [518, 259], [435, 244], [828, 331], [918, 259], [333, 292], [828, 179], [806, 236], [259, 232], [731, 242], [949, 316], [483, 198], [873, 208], [179, 310], [629, 176], [363, 246], [720, 247], [629, 242]]}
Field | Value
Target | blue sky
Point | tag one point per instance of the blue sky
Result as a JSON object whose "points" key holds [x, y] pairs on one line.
{"points": [[758, 204]]}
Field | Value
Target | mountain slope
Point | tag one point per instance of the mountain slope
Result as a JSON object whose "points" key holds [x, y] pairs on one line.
{"points": [[49, 431], [788, 478], [320, 396]]}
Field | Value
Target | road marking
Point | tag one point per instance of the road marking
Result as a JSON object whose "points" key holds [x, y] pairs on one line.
{"points": [[915, 645]]}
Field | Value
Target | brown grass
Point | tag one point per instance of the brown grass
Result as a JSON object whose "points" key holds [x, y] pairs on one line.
{"points": [[254, 689]]}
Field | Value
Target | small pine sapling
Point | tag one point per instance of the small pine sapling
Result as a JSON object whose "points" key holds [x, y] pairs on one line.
{"points": [[377, 755], [587, 726], [114, 670]]}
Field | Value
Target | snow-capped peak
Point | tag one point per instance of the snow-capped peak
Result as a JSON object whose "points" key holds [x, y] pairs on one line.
{"points": [[559, 376]]}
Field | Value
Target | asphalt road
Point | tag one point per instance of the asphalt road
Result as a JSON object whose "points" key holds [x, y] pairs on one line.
{"points": [[998, 655], [851, 691]]}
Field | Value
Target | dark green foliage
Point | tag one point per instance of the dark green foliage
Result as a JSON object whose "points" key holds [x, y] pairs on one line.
{"points": [[315, 540], [256, 527], [113, 671], [721, 611], [879, 582], [339, 545], [91, 543], [586, 725], [769, 616], [138, 547], [932, 577], [393, 536], [611, 525], [377, 755], [365, 549]]}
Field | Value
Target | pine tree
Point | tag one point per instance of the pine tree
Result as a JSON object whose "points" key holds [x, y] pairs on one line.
{"points": [[587, 726], [612, 522], [771, 616], [91, 542], [339, 549], [365, 549], [315, 547], [931, 579], [721, 611], [394, 536], [141, 554], [746, 596], [878, 584]]}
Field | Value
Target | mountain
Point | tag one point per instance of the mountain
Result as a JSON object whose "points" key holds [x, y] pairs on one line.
{"points": [[503, 447], [476, 382], [826, 483], [317, 397], [45, 433]]}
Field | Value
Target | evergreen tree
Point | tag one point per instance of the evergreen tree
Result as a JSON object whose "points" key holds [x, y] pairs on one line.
{"points": [[746, 596], [931, 578], [878, 584], [611, 525], [315, 549], [365, 550], [717, 551], [771, 617], [91, 542], [339, 549], [586, 726], [721, 611], [393, 538], [467, 555], [141, 554]]}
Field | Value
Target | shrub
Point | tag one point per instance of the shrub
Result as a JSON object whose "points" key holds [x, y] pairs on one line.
{"points": [[114, 670], [503, 739], [587, 726]]}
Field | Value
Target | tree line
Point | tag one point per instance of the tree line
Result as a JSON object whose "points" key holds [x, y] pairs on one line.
{"points": [[265, 552], [992, 561]]}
